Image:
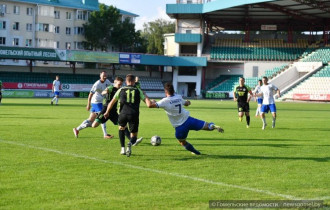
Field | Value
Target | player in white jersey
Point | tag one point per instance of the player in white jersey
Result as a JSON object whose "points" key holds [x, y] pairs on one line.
{"points": [[268, 102], [56, 90], [95, 105], [180, 117], [258, 98]]}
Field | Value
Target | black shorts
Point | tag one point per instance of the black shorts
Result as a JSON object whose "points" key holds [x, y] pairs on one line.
{"points": [[132, 120], [113, 116], [243, 107]]}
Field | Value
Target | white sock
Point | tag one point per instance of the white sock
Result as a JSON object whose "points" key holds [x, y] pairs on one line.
{"points": [[257, 111], [104, 129], [56, 101], [84, 124], [264, 120], [274, 120]]}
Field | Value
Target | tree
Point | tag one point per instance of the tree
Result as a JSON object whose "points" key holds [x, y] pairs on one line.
{"points": [[100, 26], [153, 32], [124, 36]]}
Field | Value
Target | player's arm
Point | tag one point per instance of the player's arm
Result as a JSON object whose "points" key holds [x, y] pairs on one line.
{"points": [[110, 105], [89, 101], [250, 96], [278, 93], [234, 94], [105, 91]]}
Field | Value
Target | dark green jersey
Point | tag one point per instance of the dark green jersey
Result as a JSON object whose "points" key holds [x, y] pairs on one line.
{"points": [[111, 93], [242, 93], [129, 100]]}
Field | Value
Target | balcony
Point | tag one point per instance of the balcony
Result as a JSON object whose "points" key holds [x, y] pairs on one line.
{"points": [[188, 38]]}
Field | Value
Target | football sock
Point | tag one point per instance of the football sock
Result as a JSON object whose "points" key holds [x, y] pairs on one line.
{"points": [[84, 124], [133, 139], [127, 133], [122, 138], [56, 101], [257, 111], [191, 148], [104, 129], [211, 126], [264, 120], [274, 120], [248, 120]]}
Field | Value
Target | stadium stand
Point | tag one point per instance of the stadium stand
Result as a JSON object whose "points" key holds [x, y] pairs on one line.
{"points": [[318, 83], [273, 72], [147, 83], [227, 85], [322, 55], [260, 49]]}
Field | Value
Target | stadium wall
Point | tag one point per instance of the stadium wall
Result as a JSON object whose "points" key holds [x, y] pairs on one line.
{"points": [[261, 66]]}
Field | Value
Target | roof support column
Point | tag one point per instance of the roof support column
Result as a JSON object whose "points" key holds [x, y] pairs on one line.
{"points": [[247, 33]]}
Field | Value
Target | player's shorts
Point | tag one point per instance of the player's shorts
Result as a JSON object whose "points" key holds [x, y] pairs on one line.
{"points": [[113, 116], [181, 132], [132, 120], [243, 107], [266, 108], [57, 93], [259, 100], [97, 107]]}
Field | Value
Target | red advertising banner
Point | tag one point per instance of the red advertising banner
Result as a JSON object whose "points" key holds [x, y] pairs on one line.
{"points": [[312, 97], [37, 86]]}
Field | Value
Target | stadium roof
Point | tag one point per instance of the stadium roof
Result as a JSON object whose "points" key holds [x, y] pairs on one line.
{"points": [[300, 15], [92, 5]]}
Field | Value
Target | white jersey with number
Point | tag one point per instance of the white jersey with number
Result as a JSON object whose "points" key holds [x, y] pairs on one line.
{"points": [[97, 89], [173, 106], [268, 95], [57, 85]]}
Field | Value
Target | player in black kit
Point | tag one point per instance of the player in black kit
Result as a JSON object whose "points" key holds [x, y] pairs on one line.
{"points": [[241, 96], [129, 98]]}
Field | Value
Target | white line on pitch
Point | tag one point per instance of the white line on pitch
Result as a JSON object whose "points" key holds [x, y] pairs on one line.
{"points": [[155, 171]]}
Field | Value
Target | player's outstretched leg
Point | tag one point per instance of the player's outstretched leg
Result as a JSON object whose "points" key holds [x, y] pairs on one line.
{"points": [[247, 120], [211, 126], [189, 147]]}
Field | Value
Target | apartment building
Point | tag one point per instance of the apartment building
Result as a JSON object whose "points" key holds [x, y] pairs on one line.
{"points": [[46, 24]]}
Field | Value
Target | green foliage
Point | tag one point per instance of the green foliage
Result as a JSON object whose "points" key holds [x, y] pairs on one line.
{"points": [[153, 33], [42, 165]]}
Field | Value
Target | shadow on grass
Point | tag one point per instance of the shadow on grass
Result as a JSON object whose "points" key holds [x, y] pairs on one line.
{"points": [[249, 157]]}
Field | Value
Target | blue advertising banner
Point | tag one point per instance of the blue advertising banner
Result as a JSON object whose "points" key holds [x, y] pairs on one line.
{"points": [[128, 58]]}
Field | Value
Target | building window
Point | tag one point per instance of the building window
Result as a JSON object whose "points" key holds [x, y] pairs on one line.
{"points": [[68, 30], [16, 10], [29, 11], [188, 31], [29, 27], [78, 46], [67, 45], [2, 25], [57, 14], [16, 26], [43, 27], [2, 40], [68, 15], [16, 42], [82, 15], [57, 29], [28, 43], [3, 9], [79, 30], [57, 44]]}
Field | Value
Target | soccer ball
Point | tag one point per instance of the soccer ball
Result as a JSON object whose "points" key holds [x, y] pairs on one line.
{"points": [[155, 141]]}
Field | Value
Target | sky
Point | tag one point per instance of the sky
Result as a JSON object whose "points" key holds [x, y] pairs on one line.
{"points": [[148, 10]]}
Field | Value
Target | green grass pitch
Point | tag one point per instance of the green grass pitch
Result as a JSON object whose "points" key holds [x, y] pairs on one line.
{"points": [[42, 165]]}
